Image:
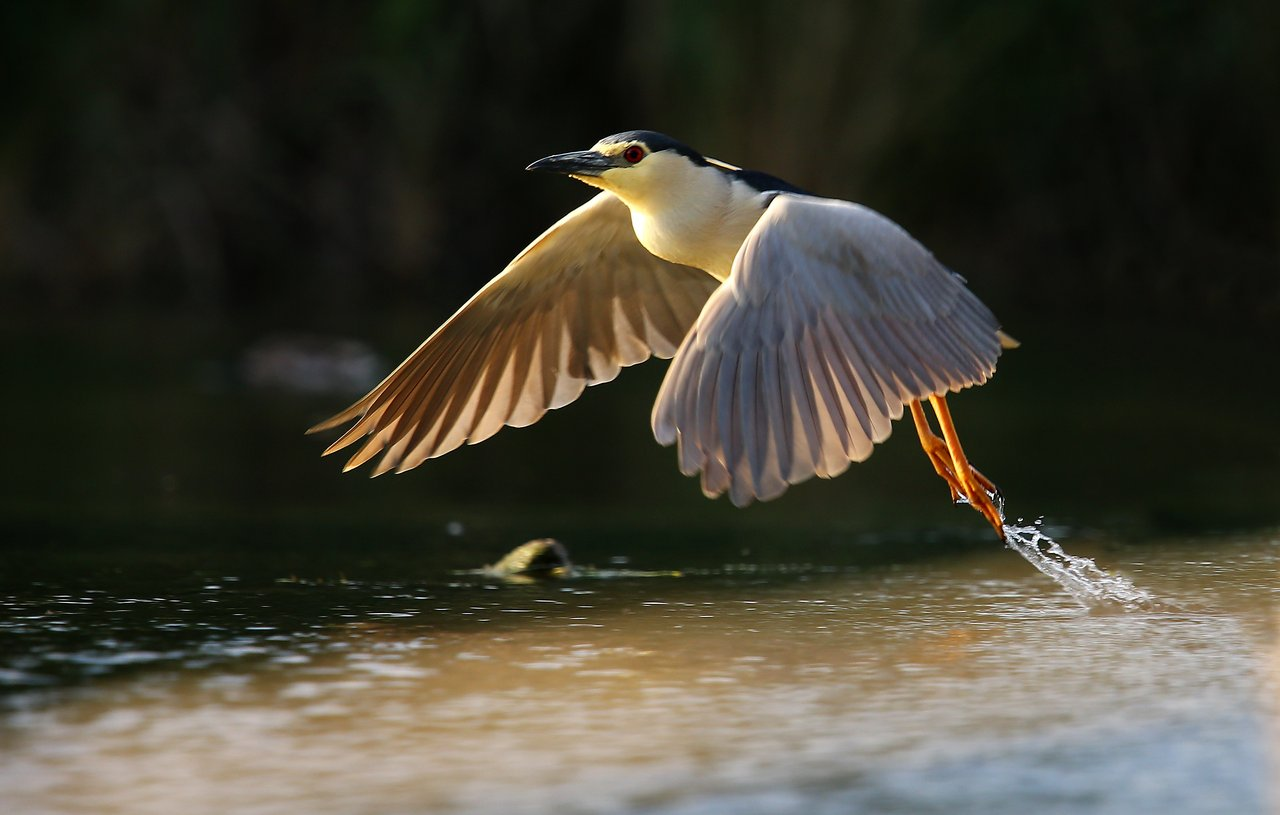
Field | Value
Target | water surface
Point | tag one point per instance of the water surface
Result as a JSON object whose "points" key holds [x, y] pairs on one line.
{"points": [[947, 683], [200, 615]]}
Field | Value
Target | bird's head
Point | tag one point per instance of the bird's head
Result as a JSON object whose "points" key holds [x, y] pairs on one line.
{"points": [[635, 165]]}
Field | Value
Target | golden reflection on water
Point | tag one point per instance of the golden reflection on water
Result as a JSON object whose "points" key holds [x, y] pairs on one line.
{"points": [[904, 687]]}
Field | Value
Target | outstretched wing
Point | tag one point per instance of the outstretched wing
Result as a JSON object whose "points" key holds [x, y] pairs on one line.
{"points": [[832, 320], [578, 304]]}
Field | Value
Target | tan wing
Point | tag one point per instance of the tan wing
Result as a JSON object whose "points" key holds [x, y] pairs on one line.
{"points": [[832, 319], [579, 303]]}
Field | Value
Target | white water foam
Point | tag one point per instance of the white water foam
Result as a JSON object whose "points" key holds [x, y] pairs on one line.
{"points": [[1080, 576]]}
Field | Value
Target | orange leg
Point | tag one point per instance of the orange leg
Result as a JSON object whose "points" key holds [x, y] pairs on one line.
{"points": [[936, 449], [949, 462]]}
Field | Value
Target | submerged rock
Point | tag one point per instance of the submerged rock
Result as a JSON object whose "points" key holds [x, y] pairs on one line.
{"points": [[541, 558], [548, 559]]}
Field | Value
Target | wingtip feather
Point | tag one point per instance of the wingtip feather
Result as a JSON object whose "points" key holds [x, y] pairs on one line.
{"points": [[327, 424]]}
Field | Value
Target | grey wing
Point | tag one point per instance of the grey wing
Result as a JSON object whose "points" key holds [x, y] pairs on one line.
{"points": [[578, 304], [832, 320]]}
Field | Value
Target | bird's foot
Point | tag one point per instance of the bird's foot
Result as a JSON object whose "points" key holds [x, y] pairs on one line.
{"points": [[970, 487], [967, 484], [978, 492]]}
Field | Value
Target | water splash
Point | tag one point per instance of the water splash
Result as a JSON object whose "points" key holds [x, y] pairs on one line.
{"points": [[1091, 586]]}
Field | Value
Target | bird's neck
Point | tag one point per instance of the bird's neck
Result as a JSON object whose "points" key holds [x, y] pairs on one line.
{"points": [[699, 221]]}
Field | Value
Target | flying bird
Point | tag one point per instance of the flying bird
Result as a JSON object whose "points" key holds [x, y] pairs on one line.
{"points": [[800, 328]]}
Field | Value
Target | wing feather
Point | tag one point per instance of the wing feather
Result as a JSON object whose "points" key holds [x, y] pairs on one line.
{"points": [[833, 432], [800, 401], [779, 427], [580, 303], [832, 321]]}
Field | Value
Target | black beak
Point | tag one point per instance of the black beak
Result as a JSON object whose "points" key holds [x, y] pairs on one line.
{"points": [[583, 162]]}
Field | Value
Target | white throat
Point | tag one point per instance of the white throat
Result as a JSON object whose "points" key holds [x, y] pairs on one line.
{"points": [[691, 214]]}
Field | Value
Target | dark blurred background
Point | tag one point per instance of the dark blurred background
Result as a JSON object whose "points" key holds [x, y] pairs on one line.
{"points": [[1116, 160], [183, 182]]}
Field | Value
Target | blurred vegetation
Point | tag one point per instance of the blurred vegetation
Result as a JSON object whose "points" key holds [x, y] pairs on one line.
{"points": [[1117, 160], [179, 181]]}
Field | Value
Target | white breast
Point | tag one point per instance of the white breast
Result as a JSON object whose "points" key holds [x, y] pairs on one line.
{"points": [[701, 223]]}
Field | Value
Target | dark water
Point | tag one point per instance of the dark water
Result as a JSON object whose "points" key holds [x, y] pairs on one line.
{"points": [[198, 615], [964, 683]]}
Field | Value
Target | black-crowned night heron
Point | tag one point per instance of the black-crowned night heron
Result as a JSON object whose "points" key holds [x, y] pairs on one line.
{"points": [[801, 328]]}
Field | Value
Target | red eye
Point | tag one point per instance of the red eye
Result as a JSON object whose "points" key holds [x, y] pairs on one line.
{"points": [[633, 153]]}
